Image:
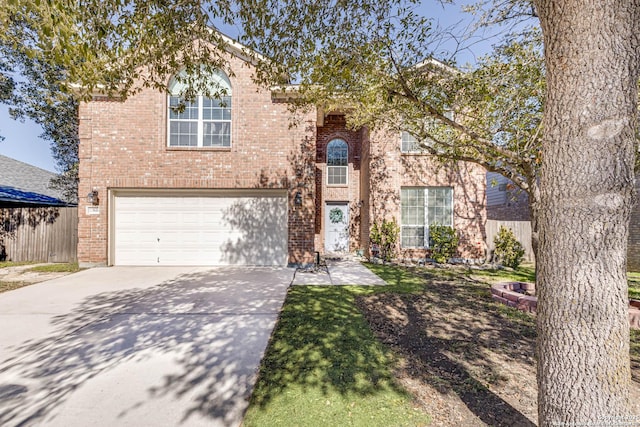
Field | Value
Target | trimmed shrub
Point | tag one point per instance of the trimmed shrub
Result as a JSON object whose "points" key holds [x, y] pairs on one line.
{"points": [[386, 237], [443, 241], [509, 250]]}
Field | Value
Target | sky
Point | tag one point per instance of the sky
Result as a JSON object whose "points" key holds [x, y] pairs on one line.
{"points": [[22, 140]]}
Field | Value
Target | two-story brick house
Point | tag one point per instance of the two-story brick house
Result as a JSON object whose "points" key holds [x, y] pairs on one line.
{"points": [[245, 181]]}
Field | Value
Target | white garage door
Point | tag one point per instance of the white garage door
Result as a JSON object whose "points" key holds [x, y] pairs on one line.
{"points": [[225, 229]]}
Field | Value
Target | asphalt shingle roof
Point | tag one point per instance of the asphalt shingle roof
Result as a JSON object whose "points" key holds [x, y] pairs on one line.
{"points": [[22, 182], [14, 173]]}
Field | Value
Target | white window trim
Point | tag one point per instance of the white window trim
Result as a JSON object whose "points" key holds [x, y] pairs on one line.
{"points": [[346, 167], [200, 124], [346, 183], [426, 216], [403, 151]]}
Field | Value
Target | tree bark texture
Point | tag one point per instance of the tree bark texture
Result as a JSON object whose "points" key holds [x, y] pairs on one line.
{"points": [[586, 196], [534, 210]]}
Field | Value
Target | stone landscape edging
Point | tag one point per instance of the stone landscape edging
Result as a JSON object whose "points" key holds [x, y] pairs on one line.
{"points": [[513, 294]]}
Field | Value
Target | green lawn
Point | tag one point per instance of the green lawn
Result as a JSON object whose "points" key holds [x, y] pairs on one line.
{"points": [[323, 367], [524, 273], [9, 286], [63, 267], [527, 273], [4, 264], [634, 285], [48, 268]]}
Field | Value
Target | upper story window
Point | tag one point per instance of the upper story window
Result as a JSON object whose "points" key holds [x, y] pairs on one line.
{"points": [[204, 122], [337, 162], [410, 144]]}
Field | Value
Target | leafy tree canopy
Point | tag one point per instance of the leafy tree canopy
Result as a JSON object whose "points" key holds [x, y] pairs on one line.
{"points": [[382, 69], [33, 91], [372, 59]]}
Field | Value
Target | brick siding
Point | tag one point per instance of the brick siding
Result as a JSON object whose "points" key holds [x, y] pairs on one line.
{"points": [[334, 126], [390, 170], [123, 144]]}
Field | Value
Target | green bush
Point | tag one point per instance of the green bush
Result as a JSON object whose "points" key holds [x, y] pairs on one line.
{"points": [[509, 250], [386, 237], [443, 242]]}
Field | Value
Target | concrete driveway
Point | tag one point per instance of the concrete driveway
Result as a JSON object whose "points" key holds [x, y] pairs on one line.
{"points": [[159, 346]]}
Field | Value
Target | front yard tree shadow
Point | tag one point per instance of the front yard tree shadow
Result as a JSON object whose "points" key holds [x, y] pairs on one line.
{"points": [[176, 325], [324, 367], [326, 326], [457, 343], [260, 224]]}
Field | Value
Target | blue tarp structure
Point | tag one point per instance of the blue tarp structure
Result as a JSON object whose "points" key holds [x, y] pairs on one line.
{"points": [[15, 196]]}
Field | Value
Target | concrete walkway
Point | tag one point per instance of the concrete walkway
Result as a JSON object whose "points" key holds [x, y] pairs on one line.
{"points": [[136, 346], [339, 272]]}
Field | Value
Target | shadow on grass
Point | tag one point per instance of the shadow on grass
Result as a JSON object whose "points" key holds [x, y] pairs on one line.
{"points": [[524, 273], [452, 324], [322, 341], [323, 351]]}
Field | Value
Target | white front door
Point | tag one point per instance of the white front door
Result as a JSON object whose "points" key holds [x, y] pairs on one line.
{"points": [[336, 219]]}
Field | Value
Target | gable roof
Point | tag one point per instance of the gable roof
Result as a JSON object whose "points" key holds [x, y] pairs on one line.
{"points": [[20, 181], [238, 49], [230, 45]]}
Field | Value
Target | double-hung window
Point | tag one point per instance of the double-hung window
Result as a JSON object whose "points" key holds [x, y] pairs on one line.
{"points": [[204, 122], [337, 162], [410, 144], [420, 208]]}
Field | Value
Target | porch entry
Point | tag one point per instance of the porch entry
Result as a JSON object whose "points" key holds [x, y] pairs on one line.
{"points": [[336, 235]]}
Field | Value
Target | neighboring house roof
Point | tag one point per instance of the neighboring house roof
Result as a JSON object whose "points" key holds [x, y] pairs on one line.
{"points": [[505, 201], [436, 63], [24, 183], [496, 189], [15, 196]]}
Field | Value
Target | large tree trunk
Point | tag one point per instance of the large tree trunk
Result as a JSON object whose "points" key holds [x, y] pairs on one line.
{"points": [[534, 212], [587, 187]]}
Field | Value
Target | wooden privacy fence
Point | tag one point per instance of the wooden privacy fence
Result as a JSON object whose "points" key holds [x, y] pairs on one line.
{"points": [[43, 234], [521, 229]]}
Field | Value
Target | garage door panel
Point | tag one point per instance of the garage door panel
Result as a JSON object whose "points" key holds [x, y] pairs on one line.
{"points": [[252, 219], [200, 230]]}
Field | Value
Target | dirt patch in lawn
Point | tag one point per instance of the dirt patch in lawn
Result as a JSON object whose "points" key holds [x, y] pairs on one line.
{"points": [[468, 360]]}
